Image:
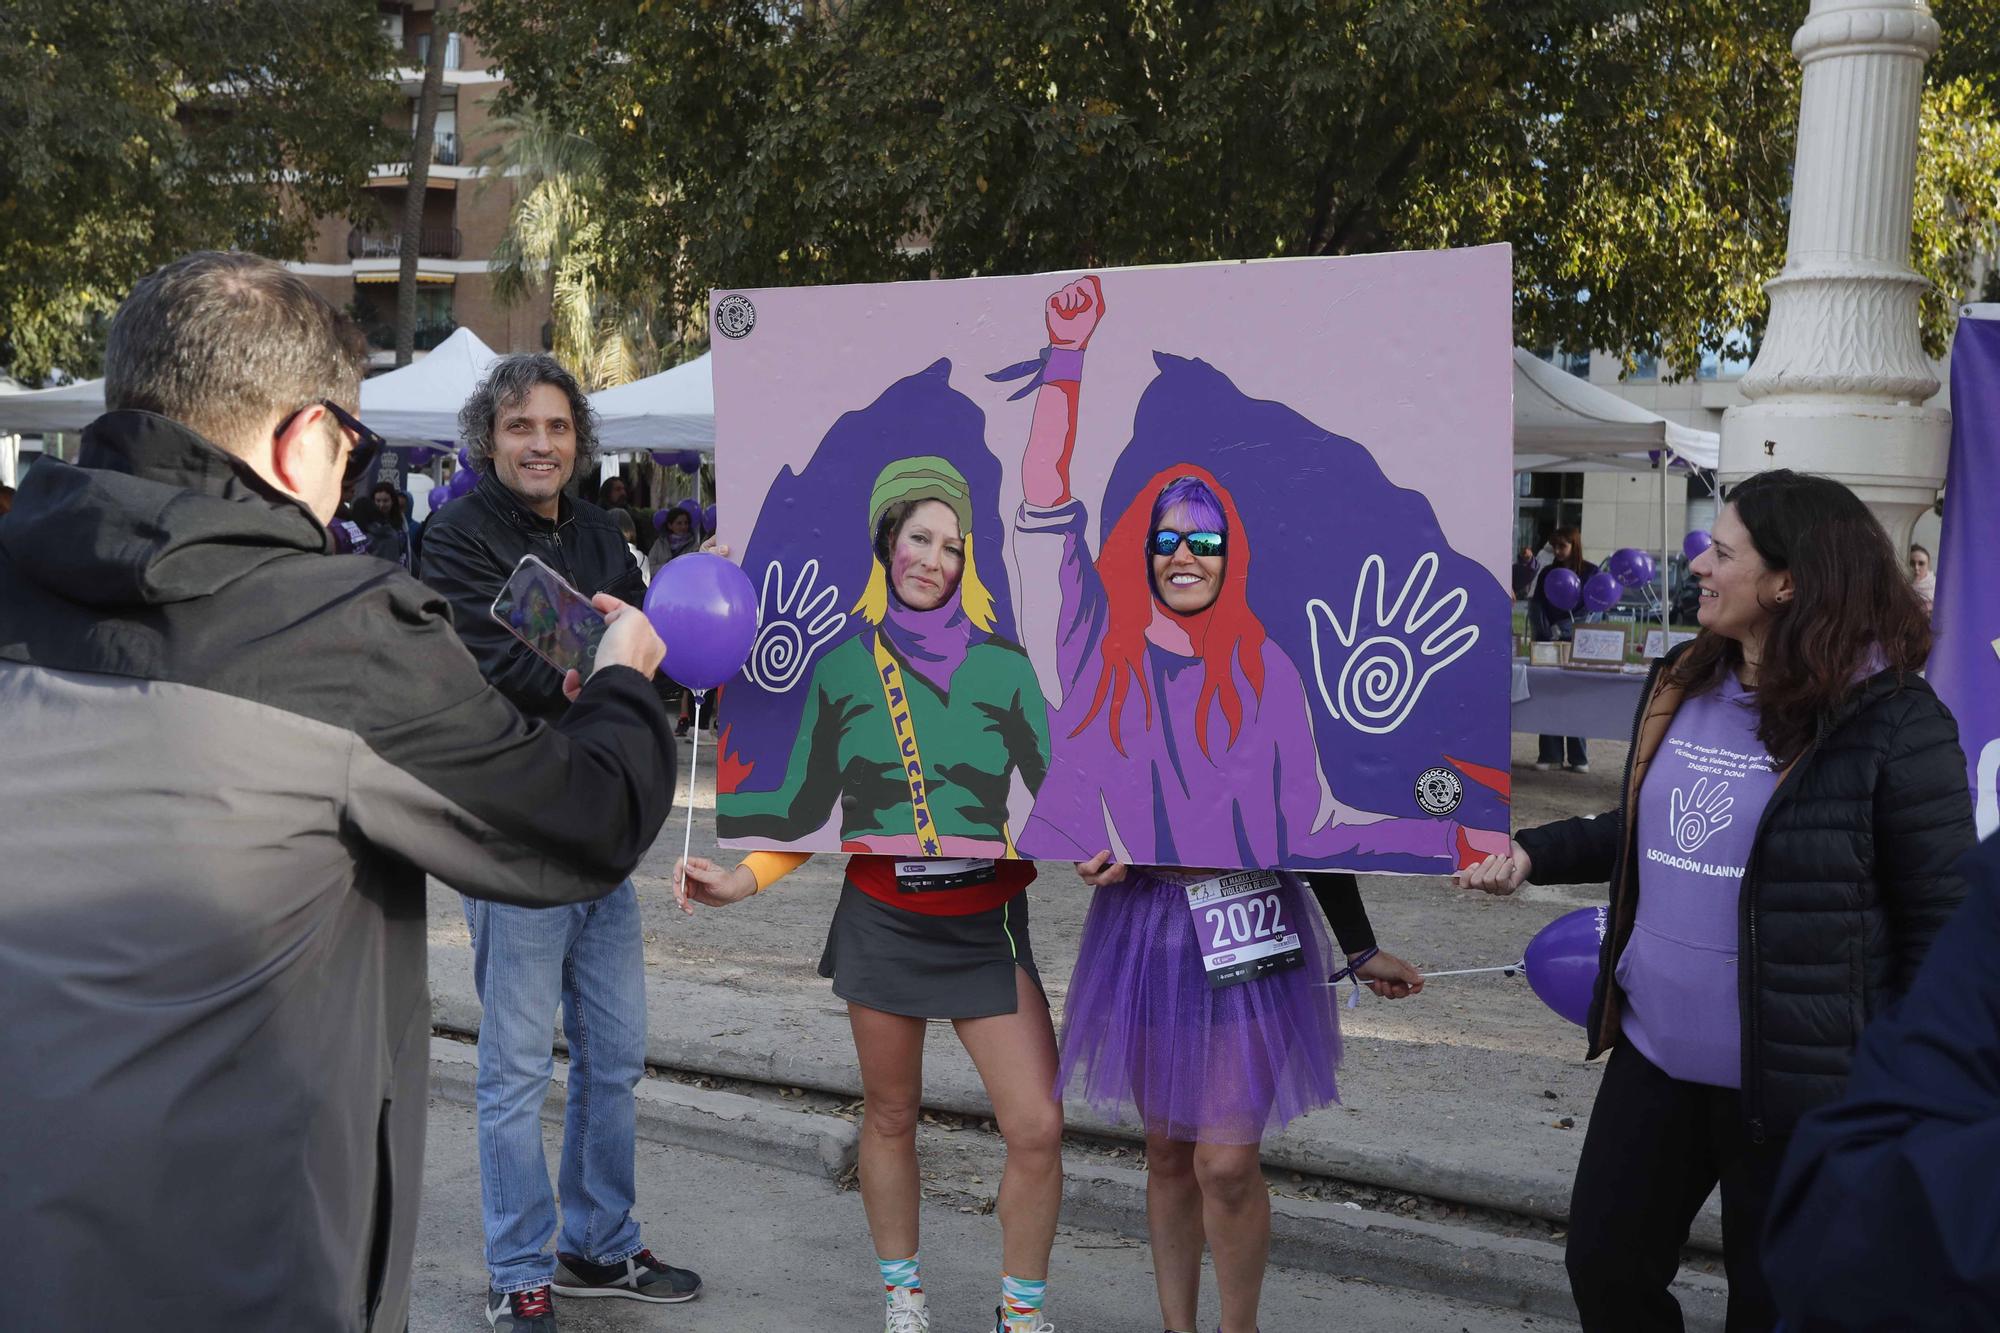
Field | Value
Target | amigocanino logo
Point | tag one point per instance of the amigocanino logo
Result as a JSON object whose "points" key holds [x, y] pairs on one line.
{"points": [[735, 316], [1693, 866]]}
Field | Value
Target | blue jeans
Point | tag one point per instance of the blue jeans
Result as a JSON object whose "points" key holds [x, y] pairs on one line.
{"points": [[526, 961]]}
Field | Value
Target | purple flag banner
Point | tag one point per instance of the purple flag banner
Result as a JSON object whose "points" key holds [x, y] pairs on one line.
{"points": [[1965, 664]]}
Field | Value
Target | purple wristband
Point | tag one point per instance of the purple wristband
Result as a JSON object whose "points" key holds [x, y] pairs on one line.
{"points": [[1065, 365]]}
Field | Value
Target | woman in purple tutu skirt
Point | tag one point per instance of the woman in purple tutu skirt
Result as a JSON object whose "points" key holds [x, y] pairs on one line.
{"points": [[1199, 1000]]}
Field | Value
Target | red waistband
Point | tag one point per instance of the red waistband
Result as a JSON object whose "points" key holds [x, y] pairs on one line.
{"points": [[876, 877]]}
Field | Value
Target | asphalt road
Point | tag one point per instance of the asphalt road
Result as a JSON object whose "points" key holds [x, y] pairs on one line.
{"points": [[781, 1252]]}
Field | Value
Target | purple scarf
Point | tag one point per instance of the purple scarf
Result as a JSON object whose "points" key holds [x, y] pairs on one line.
{"points": [[933, 642]]}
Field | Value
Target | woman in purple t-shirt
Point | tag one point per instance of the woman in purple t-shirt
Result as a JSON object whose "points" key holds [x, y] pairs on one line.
{"points": [[1794, 801]]}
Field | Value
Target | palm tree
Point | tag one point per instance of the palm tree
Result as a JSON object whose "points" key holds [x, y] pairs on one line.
{"points": [[604, 332]]}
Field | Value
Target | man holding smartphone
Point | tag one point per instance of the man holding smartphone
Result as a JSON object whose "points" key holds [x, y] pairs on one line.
{"points": [[230, 757], [527, 429]]}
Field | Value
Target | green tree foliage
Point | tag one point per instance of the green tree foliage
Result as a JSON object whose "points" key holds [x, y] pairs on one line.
{"points": [[135, 130], [1637, 156]]}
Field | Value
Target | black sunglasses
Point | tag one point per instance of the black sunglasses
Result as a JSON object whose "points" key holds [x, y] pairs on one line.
{"points": [[367, 444], [1166, 541]]}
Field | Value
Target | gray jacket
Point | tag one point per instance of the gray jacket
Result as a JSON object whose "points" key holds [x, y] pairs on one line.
{"points": [[226, 761]]}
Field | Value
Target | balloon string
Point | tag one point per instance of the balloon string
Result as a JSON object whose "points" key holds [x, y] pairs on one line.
{"points": [[694, 756], [1510, 969]]}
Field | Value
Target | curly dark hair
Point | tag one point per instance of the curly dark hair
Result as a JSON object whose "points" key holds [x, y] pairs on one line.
{"points": [[512, 379], [1850, 600]]}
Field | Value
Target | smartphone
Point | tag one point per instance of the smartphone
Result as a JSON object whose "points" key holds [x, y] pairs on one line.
{"points": [[555, 620]]}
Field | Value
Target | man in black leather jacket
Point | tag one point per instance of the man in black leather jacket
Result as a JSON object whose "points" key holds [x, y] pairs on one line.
{"points": [[470, 551], [528, 429]]}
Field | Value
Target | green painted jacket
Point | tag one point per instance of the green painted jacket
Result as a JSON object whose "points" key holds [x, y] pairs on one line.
{"points": [[993, 722]]}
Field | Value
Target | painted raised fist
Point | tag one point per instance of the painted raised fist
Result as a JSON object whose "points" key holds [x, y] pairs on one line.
{"points": [[1073, 313]]}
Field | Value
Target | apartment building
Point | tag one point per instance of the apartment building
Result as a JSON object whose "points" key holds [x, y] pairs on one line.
{"points": [[354, 262]]}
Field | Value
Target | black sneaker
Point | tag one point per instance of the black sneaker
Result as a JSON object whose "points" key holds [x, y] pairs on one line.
{"points": [[640, 1278], [521, 1311]]}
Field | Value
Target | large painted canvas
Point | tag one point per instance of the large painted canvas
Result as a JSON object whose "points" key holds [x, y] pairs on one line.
{"points": [[1323, 443]]}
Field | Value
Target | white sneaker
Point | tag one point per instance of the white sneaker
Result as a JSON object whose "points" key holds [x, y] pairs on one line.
{"points": [[907, 1313], [1579, 768], [1543, 765], [1000, 1324]]}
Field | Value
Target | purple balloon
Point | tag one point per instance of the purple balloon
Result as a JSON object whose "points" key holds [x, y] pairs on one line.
{"points": [[708, 520], [690, 461], [462, 482], [1696, 542], [1601, 591], [1620, 563], [706, 613], [662, 457], [660, 519], [1640, 569], [1563, 588], [1562, 962], [464, 457]]}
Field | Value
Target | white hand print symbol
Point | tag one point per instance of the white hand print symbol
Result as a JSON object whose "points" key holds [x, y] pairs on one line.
{"points": [[1700, 814], [1376, 677], [792, 625]]}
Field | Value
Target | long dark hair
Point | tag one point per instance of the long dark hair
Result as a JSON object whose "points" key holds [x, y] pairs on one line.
{"points": [[1574, 561], [1850, 601]]}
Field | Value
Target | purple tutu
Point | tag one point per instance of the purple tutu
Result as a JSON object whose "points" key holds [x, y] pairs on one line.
{"points": [[1145, 1030]]}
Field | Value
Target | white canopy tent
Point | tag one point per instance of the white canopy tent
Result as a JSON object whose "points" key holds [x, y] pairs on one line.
{"points": [[674, 409], [42, 411], [1565, 424], [419, 403], [1561, 423]]}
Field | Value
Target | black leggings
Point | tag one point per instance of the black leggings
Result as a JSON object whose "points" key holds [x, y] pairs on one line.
{"points": [[1655, 1149]]}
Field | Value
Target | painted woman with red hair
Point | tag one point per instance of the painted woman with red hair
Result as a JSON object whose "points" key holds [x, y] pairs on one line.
{"points": [[1181, 739], [1161, 665]]}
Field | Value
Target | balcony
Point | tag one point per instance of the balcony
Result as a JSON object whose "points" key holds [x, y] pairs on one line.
{"points": [[432, 243], [424, 338], [444, 148]]}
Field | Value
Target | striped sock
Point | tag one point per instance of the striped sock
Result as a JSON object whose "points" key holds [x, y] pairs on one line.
{"points": [[1021, 1299], [899, 1273]]}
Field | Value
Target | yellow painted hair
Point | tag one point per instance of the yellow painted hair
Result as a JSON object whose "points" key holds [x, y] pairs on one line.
{"points": [[973, 597]]}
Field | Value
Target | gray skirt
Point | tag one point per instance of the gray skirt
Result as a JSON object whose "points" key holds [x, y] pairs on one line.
{"points": [[923, 966]]}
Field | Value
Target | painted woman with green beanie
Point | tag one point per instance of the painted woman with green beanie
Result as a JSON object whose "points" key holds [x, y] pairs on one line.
{"points": [[919, 935], [928, 677]]}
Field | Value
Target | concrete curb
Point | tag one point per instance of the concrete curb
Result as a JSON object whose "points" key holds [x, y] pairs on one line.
{"points": [[725, 1124], [1460, 1263]]}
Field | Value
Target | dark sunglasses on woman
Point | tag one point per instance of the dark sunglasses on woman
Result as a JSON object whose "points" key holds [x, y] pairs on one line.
{"points": [[1166, 541]]}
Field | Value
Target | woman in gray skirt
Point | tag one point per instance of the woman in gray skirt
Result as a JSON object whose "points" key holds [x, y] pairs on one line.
{"points": [[920, 939]]}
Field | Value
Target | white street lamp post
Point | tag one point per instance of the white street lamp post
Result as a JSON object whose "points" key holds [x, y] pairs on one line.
{"points": [[1839, 383]]}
